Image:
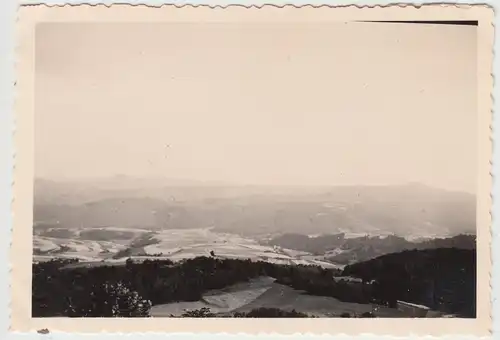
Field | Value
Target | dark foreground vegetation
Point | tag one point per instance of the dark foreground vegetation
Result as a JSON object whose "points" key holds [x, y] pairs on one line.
{"points": [[265, 313], [254, 313], [441, 278]]}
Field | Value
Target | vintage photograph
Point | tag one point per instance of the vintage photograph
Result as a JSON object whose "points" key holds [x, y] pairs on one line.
{"points": [[254, 181], [257, 169]]}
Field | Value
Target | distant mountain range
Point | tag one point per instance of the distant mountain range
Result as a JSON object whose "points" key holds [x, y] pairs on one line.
{"points": [[406, 210]]}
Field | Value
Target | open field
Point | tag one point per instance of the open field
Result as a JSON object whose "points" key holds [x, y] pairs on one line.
{"points": [[263, 292], [169, 244]]}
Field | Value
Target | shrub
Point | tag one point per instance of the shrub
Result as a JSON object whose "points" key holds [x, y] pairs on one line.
{"points": [[199, 313], [274, 313], [107, 300]]}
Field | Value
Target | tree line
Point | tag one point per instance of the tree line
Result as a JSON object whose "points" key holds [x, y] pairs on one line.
{"points": [[131, 289]]}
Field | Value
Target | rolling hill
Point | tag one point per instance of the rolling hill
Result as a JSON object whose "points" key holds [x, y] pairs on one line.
{"points": [[340, 249], [412, 210]]}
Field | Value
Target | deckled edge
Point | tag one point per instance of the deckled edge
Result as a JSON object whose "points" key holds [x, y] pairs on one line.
{"points": [[13, 155], [416, 5], [493, 236], [17, 98]]}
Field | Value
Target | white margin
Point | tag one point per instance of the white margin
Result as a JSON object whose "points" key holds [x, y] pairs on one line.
{"points": [[8, 17]]}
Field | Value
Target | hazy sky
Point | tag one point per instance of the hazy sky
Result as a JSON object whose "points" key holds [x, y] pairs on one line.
{"points": [[326, 103]]}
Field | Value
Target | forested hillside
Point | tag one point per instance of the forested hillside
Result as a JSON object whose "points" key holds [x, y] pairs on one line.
{"points": [[443, 278], [129, 290]]}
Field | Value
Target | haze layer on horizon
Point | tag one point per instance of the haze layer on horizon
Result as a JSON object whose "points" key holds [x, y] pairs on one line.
{"points": [[265, 104]]}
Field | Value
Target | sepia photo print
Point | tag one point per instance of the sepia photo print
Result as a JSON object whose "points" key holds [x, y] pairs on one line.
{"points": [[257, 168]]}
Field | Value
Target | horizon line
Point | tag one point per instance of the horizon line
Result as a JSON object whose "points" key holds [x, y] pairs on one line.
{"points": [[194, 182]]}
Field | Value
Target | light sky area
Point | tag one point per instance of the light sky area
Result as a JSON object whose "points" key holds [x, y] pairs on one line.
{"points": [[299, 104]]}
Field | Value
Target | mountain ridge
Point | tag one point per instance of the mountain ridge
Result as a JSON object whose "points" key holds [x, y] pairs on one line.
{"points": [[405, 210]]}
